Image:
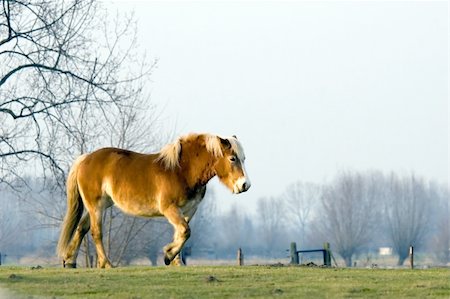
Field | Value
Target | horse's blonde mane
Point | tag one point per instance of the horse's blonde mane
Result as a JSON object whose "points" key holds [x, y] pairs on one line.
{"points": [[213, 145], [169, 155]]}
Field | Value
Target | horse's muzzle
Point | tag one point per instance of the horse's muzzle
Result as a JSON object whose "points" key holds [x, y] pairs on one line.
{"points": [[241, 185]]}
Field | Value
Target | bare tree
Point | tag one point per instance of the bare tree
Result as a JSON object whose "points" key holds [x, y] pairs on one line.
{"points": [[235, 230], [300, 200], [438, 238], [10, 224], [349, 211], [407, 203], [440, 241], [57, 65], [271, 214], [71, 80]]}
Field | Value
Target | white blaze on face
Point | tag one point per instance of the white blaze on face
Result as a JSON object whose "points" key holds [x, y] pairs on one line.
{"points": [[243, 183]]}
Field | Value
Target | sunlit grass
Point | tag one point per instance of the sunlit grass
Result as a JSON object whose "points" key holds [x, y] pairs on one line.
{"points": [[225, 282]]}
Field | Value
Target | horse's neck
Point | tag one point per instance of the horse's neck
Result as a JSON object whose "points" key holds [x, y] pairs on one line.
{"points": [[197, 170]]}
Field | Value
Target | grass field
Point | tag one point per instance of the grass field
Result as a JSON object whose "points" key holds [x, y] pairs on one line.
{"points": [[223, 282]]}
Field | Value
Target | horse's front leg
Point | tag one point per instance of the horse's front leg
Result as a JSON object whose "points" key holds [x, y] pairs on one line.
{"points": [[178, 261], [181, 233]]}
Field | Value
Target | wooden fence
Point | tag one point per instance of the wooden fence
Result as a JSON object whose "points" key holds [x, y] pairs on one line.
{"points": [[325, 251]]}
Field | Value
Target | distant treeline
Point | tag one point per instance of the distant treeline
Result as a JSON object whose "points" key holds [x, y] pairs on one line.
{"points": [[357, 212]]}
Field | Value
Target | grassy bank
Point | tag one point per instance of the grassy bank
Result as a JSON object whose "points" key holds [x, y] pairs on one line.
{"points": [[224, 282]]}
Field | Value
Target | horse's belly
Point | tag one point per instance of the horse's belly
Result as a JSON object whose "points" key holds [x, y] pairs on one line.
{"points": [[132, 203], [143, 212], [138, 210], [137, 207]]}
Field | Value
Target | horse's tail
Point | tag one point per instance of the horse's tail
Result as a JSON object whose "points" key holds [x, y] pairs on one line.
{"points": [[74, 209]]}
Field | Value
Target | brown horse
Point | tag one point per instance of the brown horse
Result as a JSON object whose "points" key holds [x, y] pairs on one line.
{"points": [[170, 183]]}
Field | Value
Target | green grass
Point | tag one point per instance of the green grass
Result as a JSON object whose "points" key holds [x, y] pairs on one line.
{"points": [[225, 282]]}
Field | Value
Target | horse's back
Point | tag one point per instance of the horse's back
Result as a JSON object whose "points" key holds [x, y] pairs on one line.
{"points": [[111, 161]]}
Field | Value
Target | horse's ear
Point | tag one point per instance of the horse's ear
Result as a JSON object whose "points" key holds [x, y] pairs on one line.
{"points": [[235, 137], [225, 143]]}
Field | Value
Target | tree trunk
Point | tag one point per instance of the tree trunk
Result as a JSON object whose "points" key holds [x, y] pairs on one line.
{"points": [[87, 252], [401, 258], [348, 261]]}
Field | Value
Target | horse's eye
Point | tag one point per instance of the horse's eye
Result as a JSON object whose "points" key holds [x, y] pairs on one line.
{"points": [[233, 159]]}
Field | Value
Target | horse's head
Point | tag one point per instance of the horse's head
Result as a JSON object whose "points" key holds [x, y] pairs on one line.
{"points": [[223, 157], [230, 166]]}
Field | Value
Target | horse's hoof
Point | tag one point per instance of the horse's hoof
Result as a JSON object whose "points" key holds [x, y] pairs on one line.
{"points": [[167, 261], [106, 265], [70, 265]]}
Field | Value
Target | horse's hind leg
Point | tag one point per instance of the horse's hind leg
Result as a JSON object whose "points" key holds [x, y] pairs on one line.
{"points": [[97, 235], [181, 234], [70, 258]]}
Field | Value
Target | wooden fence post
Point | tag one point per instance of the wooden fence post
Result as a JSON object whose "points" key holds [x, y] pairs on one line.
{"points": [[326, 254], [411, 257], [294, 253], [240, 257]]}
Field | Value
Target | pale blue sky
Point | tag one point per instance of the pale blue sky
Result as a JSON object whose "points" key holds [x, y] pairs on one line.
{"points": [[310, 88]]}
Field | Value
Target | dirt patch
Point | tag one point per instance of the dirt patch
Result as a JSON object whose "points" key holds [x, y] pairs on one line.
{"points": [[211, 279]]}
